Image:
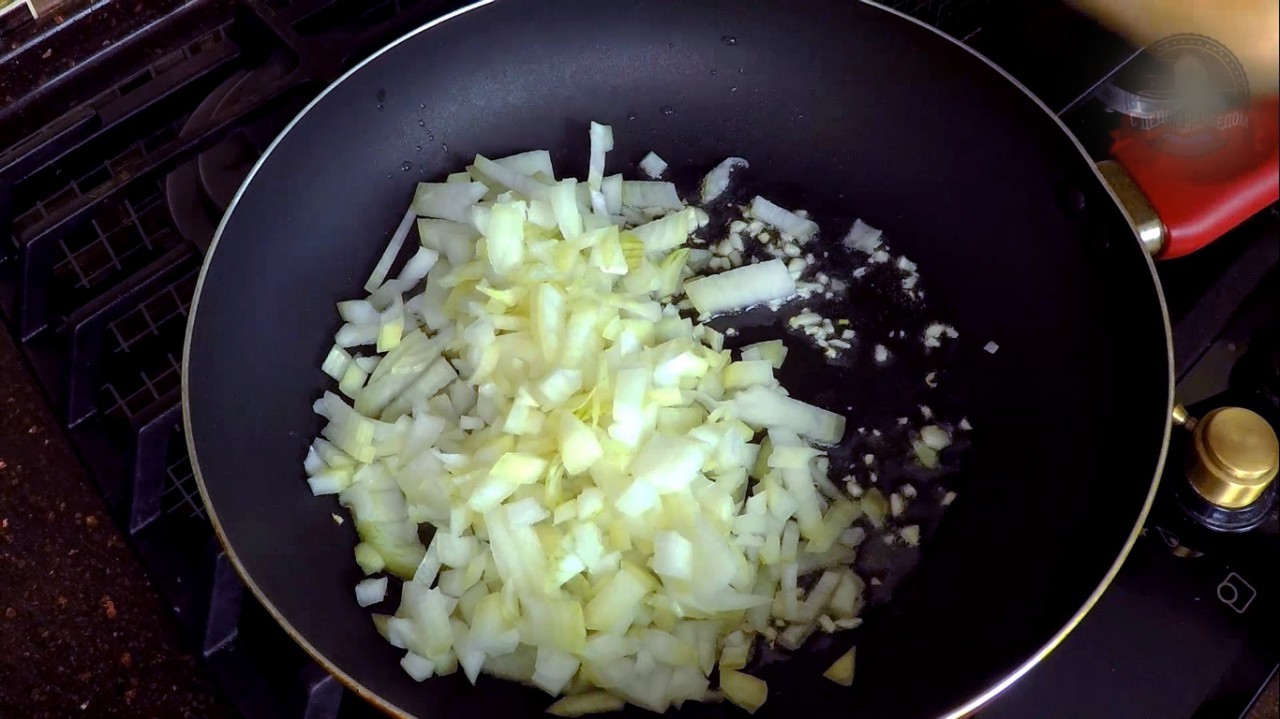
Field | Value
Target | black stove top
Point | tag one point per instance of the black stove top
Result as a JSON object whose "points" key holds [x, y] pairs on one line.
{"points": [[125, 129]]}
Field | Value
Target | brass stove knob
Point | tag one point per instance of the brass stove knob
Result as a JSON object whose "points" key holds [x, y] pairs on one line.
{"points": [[1234, 457]]}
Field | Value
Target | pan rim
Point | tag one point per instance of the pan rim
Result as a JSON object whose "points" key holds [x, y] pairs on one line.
{"points": [[966, 708]]}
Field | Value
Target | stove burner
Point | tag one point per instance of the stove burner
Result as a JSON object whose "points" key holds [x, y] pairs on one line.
{"points": [[199, 191]]}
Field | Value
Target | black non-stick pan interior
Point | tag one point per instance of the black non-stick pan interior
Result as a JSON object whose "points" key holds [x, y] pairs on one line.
{"points": [[842, 108]]}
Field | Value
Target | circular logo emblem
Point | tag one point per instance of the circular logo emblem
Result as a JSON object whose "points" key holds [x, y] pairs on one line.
{"points": [[1192, 96]]}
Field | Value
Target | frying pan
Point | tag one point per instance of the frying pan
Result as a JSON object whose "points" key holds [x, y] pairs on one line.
{"points": [[842, 107]]}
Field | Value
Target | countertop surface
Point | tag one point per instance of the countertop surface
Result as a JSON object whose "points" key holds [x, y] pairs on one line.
{"points": [[82, 632]]}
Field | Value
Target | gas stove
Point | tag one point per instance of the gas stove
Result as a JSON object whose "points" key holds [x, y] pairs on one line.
{"points": [[125, 130]]}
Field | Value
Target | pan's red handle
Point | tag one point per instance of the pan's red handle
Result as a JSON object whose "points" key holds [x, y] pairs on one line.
{"points": [[1201, 196]]}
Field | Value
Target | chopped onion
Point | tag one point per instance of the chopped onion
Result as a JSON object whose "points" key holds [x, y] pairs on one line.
{"points": [[611, 188], [910, 535], [564, 203], [530, 164], [601, 143], [360, 312], [653, 166], [927, 456], [717, 181], [336, 362], [454, 239], [582, 454], [765, 408], [389, 255], [841, 670], [413, 272], [447, 201], [668, 232], [657, 195], [672, 556], [772, 351], [503, 175], [744, 690], [504, 236], [862, 238], [329, 482], [419, 668], [801, 228], [935, 437], [371, 591], [741, 288], [847, 598]]}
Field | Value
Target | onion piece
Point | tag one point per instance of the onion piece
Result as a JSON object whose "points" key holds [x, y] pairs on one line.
{"points": [[794, 636], [419, 668], [772, 351], [529, 164], [646, 195], [504, 236], [668, 232], [390, 253], [653, 166], [391, 326], [352, 380], [329, 482], [741, 288], [504, 176], [717, 181], [862, 238], [413, 272], [447, 201], [336, 362], [841, 670], [554, 670], [371, 591], [744, 690], [847, 598], [935, 437], [611, 188], [801, 228], [454, 240], [818, 597], [564, 204], [360, 312], [764, 408], [350, 335], [672, 556], [601, 143]]}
